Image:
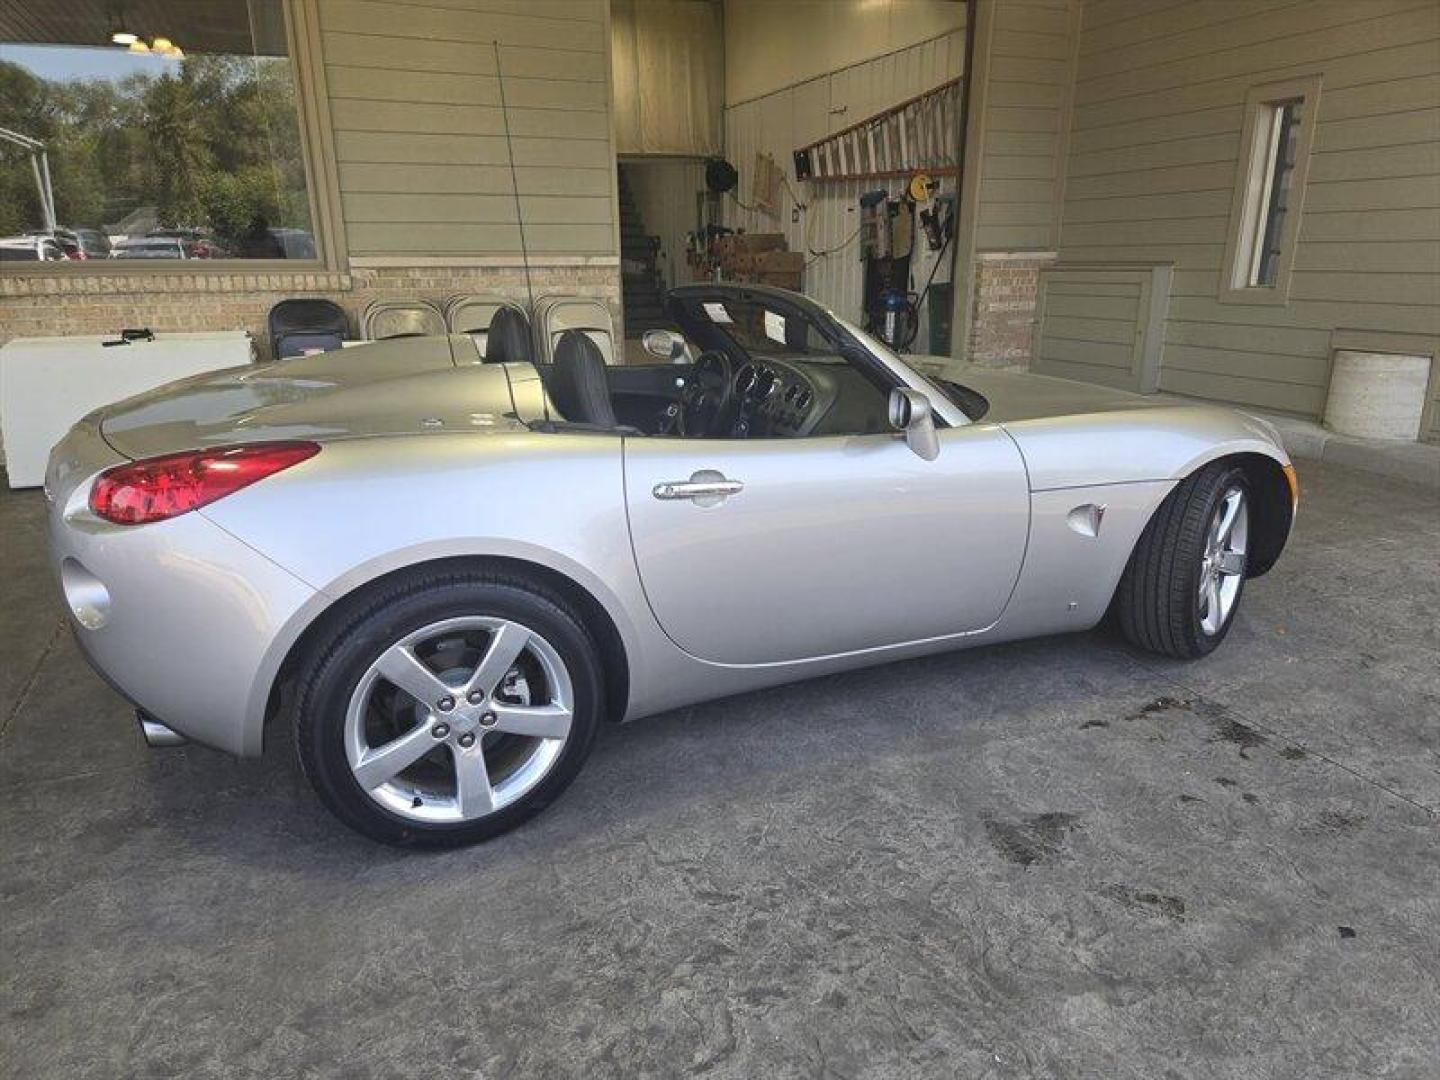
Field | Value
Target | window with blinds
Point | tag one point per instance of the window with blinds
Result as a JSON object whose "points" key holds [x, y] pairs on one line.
{"points": [[1270, 191], [1283, 135]]}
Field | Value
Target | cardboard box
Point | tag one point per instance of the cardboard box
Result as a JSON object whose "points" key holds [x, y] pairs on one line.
{"points": [[754, 243], [781, 279], [779, 262]]}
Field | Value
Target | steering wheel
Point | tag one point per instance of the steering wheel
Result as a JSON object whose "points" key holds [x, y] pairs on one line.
{"points": [[707, 394]]}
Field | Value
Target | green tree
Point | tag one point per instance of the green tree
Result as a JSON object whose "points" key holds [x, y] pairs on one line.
{"points": [[214, 144]]}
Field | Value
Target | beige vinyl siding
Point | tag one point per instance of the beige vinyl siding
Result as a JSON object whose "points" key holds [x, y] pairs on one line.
{"points": [[1101, 324], [422, 161], [1089, 330], [1152, 162], [1431, 431], [1031, 61]]}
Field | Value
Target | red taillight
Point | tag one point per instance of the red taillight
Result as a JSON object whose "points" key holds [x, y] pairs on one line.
{"points": [[162, 487]]}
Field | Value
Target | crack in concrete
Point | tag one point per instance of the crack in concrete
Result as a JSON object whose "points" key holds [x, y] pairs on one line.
{"points": [[1275, 733], [30, 680]]}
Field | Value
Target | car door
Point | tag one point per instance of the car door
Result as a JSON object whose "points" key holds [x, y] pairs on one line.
{"points": [[756, 551]]}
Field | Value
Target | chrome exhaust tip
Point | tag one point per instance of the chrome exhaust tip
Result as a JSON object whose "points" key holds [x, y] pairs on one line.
{"points": [[157, 734]]}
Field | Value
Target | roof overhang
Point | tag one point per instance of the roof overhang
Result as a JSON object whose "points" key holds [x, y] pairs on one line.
{"points": [[229, 27]]}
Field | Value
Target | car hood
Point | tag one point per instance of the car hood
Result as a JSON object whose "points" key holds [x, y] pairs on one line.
{"points": [[403, 386], [1015, 396]]}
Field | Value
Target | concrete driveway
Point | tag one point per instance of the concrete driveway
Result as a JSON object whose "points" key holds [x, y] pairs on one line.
{"points": [[1052, 859]]}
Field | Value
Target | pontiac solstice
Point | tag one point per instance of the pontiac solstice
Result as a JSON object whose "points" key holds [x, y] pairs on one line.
{"points": [[438, 568]]}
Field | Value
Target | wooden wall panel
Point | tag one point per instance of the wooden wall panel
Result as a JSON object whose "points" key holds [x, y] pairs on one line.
{"points": [[1032, 56], [421, 155]]}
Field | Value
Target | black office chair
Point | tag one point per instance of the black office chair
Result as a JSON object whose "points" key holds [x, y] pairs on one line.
{"points": [[298, 327]]}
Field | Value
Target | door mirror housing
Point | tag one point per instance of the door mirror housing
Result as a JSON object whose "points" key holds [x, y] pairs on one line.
{"points": [[910, 413], [664, 344]]}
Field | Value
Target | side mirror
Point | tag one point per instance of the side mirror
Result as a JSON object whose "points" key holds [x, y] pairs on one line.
{"points": [[910, 413], [663, 344]]}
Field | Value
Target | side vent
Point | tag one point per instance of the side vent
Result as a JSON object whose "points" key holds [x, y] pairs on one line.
{"points": [[1086, 519]]}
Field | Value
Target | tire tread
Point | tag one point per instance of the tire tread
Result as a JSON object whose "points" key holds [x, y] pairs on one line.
{"points": [[1155, 603]]}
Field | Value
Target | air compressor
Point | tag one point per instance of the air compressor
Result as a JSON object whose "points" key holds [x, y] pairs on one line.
{"points": [[887, 238], [887, 246]]}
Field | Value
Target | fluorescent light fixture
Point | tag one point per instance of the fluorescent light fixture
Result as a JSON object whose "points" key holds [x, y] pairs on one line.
{"points": [[124, 37]]}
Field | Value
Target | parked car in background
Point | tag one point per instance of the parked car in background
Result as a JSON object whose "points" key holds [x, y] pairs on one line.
{"points": [[150, 247], [198, 243], [31, 248], [94, 243], [79, 244]]}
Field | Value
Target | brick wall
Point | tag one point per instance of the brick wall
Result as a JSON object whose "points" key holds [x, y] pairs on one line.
{"points": [[1006, 289], [45, 306]]}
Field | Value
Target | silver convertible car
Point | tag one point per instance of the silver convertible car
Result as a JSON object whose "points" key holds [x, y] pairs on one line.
{"points": [[438, 568]]}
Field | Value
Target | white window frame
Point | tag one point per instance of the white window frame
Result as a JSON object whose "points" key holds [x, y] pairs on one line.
{"points": [[1254, 173]]}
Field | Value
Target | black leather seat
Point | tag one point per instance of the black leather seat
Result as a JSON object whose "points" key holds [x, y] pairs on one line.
{"points": [[508, 339], [577, 382]]}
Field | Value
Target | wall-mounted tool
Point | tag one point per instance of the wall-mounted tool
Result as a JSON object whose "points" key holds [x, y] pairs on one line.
{"points": [[938, 221], [887, 240]]}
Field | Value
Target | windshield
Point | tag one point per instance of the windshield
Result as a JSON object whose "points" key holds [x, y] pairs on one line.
{"points": [[758, 329], [970, 402]]}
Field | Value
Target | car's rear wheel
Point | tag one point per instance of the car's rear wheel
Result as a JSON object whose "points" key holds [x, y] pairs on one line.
{"points": [[449, 709], [1183, 584]]}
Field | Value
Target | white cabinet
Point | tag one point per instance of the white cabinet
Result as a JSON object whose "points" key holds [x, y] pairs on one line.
{"points": [[46, 384]]}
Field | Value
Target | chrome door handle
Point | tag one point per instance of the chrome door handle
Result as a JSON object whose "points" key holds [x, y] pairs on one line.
{"points": [[706, 488]]}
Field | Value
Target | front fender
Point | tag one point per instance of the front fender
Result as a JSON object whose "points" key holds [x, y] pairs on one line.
{"points": [[1139, 445]]}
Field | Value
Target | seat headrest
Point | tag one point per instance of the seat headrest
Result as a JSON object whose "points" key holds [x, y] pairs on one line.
{"points": [[578, 384], [508, 339]]}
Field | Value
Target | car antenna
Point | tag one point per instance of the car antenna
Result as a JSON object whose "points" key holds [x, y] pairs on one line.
{"points": [[514, 181]]}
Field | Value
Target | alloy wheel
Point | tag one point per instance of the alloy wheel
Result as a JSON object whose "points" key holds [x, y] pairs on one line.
{"points": [[1222, 566], [458, 719]]}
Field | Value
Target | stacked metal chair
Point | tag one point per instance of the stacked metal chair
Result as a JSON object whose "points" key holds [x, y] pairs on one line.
{"points": [[556, 314], [401, 318], [470, 313]]}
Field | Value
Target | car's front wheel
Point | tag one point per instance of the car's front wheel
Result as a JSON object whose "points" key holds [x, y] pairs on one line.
{"points": [[1183, 584], [449, 708]]}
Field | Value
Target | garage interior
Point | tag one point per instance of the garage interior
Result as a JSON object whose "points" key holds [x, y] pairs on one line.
{"points": [[1051, 858]]}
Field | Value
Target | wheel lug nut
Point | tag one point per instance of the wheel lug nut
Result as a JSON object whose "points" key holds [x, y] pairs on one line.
{"points": [[467, 740], [445, 704], [488, 720], [440, 730], [475, 697]]}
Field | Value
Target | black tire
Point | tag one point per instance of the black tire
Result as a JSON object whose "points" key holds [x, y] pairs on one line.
{"points": [[385, 617], [1157, 605]]}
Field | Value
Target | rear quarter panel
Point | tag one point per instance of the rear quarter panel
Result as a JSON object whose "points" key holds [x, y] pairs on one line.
{"points": [[365, 507]]}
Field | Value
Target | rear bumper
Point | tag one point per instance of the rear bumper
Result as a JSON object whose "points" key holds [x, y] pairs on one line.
{"points": [[179, 616]]}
